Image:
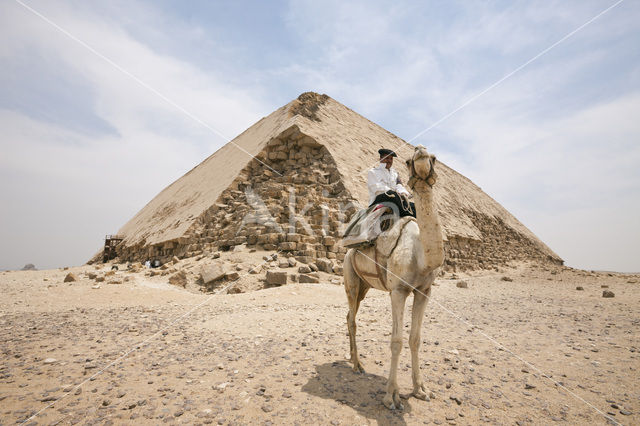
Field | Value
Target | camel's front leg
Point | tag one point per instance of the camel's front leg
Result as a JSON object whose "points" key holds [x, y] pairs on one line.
{"points": [[392, 398], [417, 315]]}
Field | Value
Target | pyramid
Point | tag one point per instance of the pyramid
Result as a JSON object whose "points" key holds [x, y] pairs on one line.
{"points": [[291, 181]]}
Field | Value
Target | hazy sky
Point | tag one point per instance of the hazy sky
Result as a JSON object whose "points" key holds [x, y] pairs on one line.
{"points": [[85, 144]]}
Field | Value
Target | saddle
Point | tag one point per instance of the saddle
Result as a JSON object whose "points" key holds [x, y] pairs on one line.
{"points": [[372, 269]]}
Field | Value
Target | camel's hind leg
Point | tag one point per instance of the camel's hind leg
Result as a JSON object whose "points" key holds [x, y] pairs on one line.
{"points": [[356, 289]]}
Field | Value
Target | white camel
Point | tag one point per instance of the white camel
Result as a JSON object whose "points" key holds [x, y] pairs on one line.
{"points": [[409, 268]]}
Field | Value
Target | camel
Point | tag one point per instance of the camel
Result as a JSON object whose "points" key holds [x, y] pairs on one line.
{"points": [[409, 268]]}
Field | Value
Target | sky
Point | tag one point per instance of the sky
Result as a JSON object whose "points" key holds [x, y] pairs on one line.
{"points": [[104, 104]]}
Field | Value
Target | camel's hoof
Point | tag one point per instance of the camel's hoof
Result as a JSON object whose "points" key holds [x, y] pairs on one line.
{"points": [[358, 368], [392, 401], [421, 394]]}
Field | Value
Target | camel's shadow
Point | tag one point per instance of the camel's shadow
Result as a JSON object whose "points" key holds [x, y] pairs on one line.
{"points": [[362, 392]]}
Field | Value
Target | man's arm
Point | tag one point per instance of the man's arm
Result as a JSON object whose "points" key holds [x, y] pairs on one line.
{"points": [[401, 189]]}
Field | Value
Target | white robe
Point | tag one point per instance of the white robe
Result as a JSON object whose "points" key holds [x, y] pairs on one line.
{"points": [[380, 179]]}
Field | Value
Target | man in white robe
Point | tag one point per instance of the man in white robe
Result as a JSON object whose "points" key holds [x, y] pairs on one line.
{"points": [[386, 188]]}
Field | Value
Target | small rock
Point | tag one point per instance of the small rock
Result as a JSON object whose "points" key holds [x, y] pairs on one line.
{"points": [[292, 262], [50, 361], [608, 293], [267, 408], [283, 263], [304, 269], [580, 288], [462, 284], [70, 278], [505, 278], [232, 276], [528, 386]]}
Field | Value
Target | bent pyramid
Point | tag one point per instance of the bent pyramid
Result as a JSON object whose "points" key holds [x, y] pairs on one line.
{"points": [[291, 181]]}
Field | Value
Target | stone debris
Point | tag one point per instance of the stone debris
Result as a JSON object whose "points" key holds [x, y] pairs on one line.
{"points": [[304, 269], [608, 293], [305, 278], [212, 273], [179, 279], [276, 278], [462, 284], [71, 277]]}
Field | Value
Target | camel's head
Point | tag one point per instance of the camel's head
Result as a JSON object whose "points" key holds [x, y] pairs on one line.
{"points": [[421, 167]]}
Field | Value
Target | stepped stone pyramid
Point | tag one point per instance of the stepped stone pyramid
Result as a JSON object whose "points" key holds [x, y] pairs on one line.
{"points": [[291, 182]]}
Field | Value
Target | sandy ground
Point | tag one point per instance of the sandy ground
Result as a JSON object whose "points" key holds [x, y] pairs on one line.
{"points": [[145, 351]]}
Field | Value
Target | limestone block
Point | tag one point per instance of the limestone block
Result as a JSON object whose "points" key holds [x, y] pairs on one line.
{"points": [[287, 246], [304, 269], [324, 265], [283, 263], [293, 238], [212, 273], [304, 278], [329, 241], [276, 278]]}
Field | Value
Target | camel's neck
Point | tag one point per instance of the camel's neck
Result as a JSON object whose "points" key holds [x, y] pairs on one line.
{"points": [[429, 223]]}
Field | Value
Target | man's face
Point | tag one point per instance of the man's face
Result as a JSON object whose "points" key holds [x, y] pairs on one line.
{"points": [[388, 160]]}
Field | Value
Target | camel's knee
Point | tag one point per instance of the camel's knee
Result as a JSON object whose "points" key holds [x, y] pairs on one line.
{"points": [[396, 345]]}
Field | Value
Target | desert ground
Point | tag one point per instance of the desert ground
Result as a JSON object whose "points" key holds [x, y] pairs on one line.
{"points": [[519, 345]]}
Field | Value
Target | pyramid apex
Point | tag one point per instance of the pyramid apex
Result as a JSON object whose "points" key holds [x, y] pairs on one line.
{"points": [[307, 105]]}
